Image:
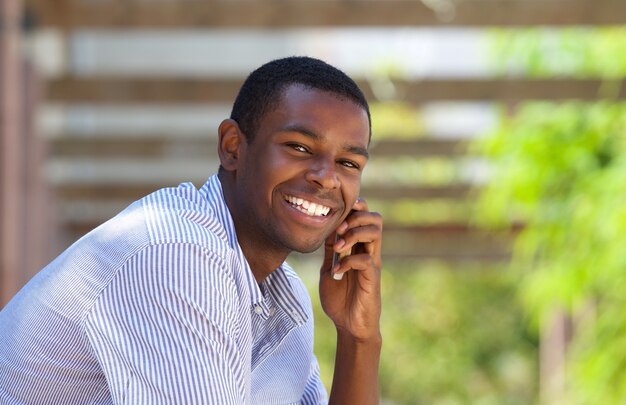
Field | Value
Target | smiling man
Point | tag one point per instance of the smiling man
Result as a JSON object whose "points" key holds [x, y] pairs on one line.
{"points": [[185, 297]]}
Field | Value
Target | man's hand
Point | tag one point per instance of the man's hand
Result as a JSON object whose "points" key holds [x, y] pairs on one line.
{"points": [[353, 303]]}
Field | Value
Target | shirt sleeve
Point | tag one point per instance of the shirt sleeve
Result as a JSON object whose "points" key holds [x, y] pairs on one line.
{"points": [[165, 329]]}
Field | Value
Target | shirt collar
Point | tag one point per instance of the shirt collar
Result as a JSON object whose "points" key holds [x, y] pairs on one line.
{"points": [[277, 283], [212, 191]]}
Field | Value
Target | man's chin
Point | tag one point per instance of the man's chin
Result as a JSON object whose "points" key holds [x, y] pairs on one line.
{"points": [[307, 248]]}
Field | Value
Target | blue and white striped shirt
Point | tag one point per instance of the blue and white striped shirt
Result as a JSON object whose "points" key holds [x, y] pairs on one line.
{"points": [[159, 306]]}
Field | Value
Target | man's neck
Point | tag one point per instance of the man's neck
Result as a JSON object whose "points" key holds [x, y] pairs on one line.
{"points": [[262, 261], [262, 258]]}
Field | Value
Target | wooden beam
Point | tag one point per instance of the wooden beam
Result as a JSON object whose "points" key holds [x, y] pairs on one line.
{"points": [[422, 147], [395, 192], [111, 191], [109, 89], [12, 152], [555, 336], [40, 225], [324, 13], [450, 242], [160, 90]]}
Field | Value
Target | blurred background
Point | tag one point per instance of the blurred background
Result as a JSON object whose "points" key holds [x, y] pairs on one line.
{"points": [[498, 164]]}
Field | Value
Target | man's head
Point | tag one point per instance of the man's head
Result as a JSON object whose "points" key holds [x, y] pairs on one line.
{"points": [[264, 87], [293, 178]]}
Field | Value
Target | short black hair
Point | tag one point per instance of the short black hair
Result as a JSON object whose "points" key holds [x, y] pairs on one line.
{"points": [[263, 89]]}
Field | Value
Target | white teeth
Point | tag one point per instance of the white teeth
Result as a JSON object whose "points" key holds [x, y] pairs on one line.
{"points": [[308, 207]]}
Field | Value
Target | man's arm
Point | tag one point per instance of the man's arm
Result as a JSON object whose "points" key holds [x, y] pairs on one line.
{"points": [[353, 304], [163, 329]]}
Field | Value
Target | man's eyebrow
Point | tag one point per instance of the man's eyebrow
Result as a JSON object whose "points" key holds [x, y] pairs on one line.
{"points": [[316, 137], [304, 131], [357, 150]]}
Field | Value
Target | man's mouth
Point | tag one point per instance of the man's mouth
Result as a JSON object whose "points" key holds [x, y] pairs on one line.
{"points": [[307, 207]]}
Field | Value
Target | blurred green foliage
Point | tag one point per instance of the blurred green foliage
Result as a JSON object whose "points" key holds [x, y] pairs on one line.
{"points": [[560, 168], [585, 52], [451, 336]]}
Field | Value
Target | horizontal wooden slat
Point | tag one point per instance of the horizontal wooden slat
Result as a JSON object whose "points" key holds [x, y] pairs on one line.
{"points": [[115, 146], [423, 147], [105, 89], [457, 242], [101, 192], [301, 13], [160, 90], [419, 192]]}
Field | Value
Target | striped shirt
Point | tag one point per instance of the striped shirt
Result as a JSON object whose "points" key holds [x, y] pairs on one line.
{"points": [[159, 306]]}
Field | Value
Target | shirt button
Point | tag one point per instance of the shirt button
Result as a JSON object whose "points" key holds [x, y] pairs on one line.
{"points": [[272, 311], [258, 310]]}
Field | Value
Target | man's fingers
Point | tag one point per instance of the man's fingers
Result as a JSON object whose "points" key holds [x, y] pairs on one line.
{"points": [[360, 205], [360, 234], [360, 218], [359, 262], [367, 231]]}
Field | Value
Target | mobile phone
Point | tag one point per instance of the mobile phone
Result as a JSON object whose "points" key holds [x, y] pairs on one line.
{"points": [[337, 258]]}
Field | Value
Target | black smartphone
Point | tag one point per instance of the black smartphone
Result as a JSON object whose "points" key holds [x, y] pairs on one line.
{"points": [[337, 258]]}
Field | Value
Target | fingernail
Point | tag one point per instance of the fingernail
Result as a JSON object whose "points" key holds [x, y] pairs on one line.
{"points": [[338, 276], [339, 244]]}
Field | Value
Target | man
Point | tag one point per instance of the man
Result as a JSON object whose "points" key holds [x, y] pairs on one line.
{"points": [[185, 296]]}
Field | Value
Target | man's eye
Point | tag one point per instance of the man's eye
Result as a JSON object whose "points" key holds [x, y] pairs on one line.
{"points": [[349, 164], [298, 147]]}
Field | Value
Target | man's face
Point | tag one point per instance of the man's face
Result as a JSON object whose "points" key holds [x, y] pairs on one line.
{"points": [[301, 174]]}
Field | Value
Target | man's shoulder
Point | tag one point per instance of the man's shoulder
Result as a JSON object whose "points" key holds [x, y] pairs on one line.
{"points": [[182, 214]]}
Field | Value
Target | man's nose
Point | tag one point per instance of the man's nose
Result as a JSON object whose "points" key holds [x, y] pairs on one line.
{"points": [[324, 174]]}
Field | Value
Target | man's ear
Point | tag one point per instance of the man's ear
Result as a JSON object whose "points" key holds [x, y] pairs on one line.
{"points": [[232, 143]]}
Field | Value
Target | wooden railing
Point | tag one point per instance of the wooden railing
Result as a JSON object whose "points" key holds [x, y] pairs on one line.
{"points": [[158, 90], [121, 170], [302, 13]]}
